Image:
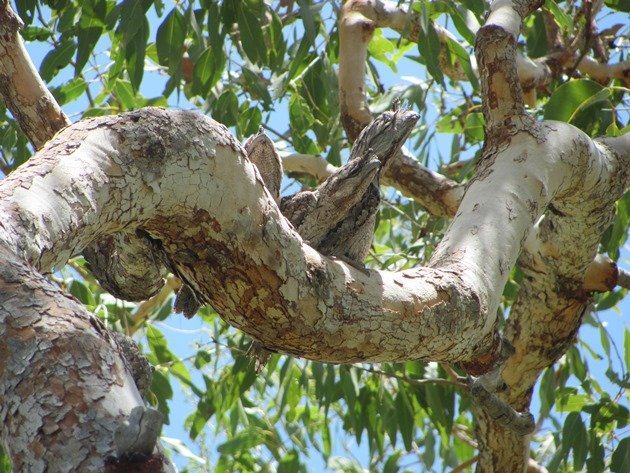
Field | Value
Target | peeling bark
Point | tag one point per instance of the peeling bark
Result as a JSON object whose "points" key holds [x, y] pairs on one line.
{"points": [[135, 181], [227, 239], [181, 186], [31, 103], [61, 379], [224, 238], [558, 251]]}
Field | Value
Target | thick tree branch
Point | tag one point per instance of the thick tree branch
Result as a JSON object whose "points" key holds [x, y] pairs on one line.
{"points": [[495, 49], [234, 222], [312, 304], [439, 195], [21, 89], [131, 176], [554, 292], [62, 380], [544, 324]]}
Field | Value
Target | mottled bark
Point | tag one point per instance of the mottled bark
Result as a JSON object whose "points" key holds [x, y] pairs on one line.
{"points": [[357, 21], [226, 238], [181, 186], [224, 234], [133, 176], [554, 294], [64, 389], [25, 95]]}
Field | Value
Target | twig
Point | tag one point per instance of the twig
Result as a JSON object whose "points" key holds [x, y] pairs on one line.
{"points": [[466, 464], [623, 278], [414, 381]]}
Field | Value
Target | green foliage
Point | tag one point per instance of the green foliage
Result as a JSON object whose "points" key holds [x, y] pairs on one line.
{"points": [[429, 46], [583, 103], [170, 40], [5, 461], [249, 64]]}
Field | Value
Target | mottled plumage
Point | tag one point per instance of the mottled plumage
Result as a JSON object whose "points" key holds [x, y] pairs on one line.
{"points": [[338, 217], [263, 154]]}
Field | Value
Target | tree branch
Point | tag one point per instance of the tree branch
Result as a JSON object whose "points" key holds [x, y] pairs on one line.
{"points": [[102, 169], [311, 165], [23, 92], [439, 195], [545, 318], [460, 288], [63, 379], [357, 21], [552, 191]]}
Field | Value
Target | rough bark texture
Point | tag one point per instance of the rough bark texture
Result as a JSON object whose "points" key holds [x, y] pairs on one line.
{"points": [[178, 190], [31, 103], [223, 238], [61, 380], [230, 243], [544, 321]]}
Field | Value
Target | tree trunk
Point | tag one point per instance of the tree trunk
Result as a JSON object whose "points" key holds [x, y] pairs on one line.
{"points": [[179, 186]]}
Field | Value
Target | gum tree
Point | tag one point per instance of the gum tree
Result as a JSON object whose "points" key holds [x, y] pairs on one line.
{"points": [[480, 275]]}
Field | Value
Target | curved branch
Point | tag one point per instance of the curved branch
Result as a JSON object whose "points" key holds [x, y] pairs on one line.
{"points": [[545, 319], [553, 297], [227, 236], [541, 71], [439, 195], [604, 73], [25, 95]]}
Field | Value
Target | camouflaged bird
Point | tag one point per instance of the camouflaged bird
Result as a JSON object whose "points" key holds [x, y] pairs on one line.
{"points": [[338, 218], [261, 151]]}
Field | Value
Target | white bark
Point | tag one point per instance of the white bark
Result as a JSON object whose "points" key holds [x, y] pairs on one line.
{"points": [[544, 320], [31, 103], [310, 303], [184, 182], [315, 166], [197, 194]]}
